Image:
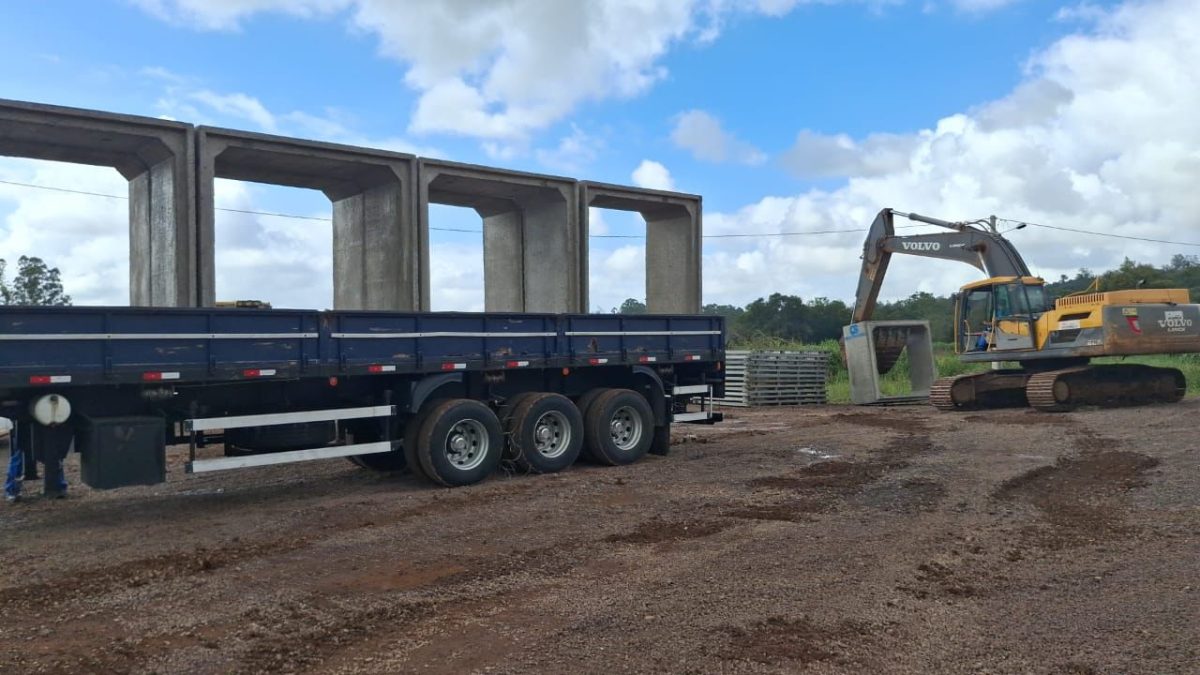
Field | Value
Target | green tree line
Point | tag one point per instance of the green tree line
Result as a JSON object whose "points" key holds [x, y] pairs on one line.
{"points": [[794, 319], [35, 283]]}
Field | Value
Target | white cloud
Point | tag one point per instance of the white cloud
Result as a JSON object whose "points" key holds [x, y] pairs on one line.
{"points": [[574, 152], [651, 174], [701, 134], [86, 237], [1101, 136], [227, 14], [816, 155], [238, 106], [501, 71], [980, 6]]}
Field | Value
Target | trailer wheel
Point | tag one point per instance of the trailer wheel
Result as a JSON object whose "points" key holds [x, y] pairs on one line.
{"points": [[618, 427], [411, 429], [459, 443], [583, 403], [544, 432]]}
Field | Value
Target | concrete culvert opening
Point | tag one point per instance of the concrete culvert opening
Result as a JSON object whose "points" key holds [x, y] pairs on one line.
{"points": [[155, 159], [272, 244], [455, 259], [74, 218], [672, 245], [377, 261], [532, 255], [616, 261]]}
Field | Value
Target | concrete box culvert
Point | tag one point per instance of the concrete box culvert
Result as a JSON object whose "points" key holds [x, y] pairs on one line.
{"points": [[155, 156], [674, 241], [534, 255], [379, 259]]}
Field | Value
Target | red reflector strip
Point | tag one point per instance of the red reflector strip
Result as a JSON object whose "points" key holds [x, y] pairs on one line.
{"points": [[648, 359], [693, 357], [49, 379], [597, 362], [454, 366], [381, 369], [516, 364], [158, 376], [261, 372]]}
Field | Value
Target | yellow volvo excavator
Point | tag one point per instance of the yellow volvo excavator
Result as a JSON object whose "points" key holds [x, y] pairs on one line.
{"points": [[1007, 317]]}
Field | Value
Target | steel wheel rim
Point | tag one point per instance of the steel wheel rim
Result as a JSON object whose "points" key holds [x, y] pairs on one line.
{"points": [[467, 444], [625, 428], [552, 434]]}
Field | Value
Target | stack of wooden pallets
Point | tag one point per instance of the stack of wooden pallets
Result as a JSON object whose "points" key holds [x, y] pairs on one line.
{"points": [[775, 378]]}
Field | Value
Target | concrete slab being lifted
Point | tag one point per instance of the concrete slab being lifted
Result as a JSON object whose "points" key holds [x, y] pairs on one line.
{"points": [[872, 349], [674, 236], [534, 256], [155, 156], [378, 253]]}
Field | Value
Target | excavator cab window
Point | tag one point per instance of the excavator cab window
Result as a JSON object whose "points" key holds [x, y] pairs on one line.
{"points": [[975, 318], [1023, 300]]}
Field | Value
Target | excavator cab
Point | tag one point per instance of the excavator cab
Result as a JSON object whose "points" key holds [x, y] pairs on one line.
{"points": [[998, 314]]}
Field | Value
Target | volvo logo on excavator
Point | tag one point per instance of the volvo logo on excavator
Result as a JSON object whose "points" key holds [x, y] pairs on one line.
{"points": [[1174, 322], [921, 245]]}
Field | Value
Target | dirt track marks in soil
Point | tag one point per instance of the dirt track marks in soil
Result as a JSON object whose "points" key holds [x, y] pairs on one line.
{"points": [[1025, 418], [905, 496], [912, 425], [658, 531], [791, 510], [800, 641], [846, 476], [1081, 492], [136, 573]]}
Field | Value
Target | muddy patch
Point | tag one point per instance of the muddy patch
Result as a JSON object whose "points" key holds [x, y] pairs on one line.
{"points": [[905, 447], [1025, 418], [660, 531], [912, 425], [1081, 492], [137, 573], [799, 641], [936, 578], [905, 496], [792, 511]]}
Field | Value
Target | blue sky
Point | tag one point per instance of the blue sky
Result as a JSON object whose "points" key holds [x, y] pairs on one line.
{"points": [[785, 115]]}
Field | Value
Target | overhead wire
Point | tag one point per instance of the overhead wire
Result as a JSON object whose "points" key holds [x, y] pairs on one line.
{"points": [[738, 235], [1100, 234]]}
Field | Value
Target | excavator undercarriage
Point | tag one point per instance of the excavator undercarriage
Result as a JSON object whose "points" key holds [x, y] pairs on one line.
{"points": [[1060, 390]]}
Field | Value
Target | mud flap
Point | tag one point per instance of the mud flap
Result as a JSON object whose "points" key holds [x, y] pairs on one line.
{"points": [[661, 445]]}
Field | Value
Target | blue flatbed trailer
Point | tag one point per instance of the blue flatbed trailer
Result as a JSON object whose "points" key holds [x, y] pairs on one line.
{"points": [[446, 395]]}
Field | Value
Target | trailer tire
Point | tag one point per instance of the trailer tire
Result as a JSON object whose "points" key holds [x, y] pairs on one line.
{"points": [[459, 443], [544, 432], [409, 445], [583, 403], [618, 427]]}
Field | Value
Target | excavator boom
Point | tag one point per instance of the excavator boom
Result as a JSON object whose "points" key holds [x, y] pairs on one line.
{"points": [[980, 246]]}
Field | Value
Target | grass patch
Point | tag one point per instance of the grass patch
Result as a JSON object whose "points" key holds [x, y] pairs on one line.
{"points": [[896, 381]]}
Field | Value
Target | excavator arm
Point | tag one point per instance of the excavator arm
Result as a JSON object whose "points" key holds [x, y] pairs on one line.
{"points": [[978, 244]]}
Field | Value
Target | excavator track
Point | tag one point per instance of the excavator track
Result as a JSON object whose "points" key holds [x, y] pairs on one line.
{"points": [[1106, 385], [941, 394], [991, 389]]}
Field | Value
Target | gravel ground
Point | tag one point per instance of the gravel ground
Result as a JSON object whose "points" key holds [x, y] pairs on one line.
{"points": [[827, 540]]}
